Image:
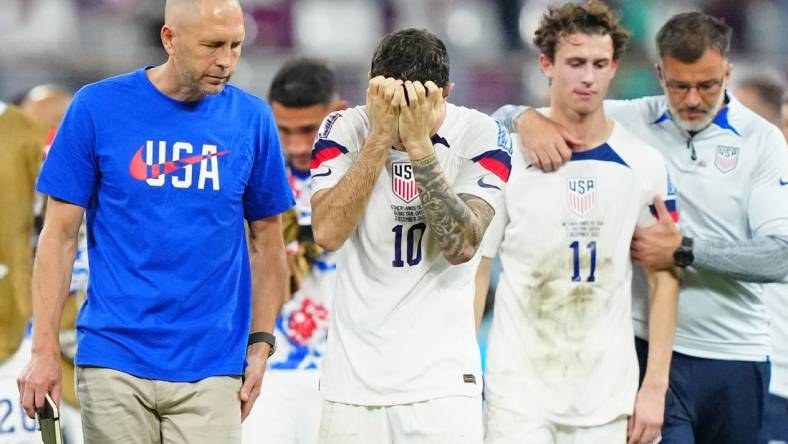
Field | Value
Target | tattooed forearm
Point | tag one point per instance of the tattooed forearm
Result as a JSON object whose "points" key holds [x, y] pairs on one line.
{"points": [[337, 211], [457, 222]]}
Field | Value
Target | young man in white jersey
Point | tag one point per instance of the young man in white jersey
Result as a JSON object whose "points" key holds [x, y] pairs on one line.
{"points": [[406, 186], [302, 94], [730, 168], [561, 364]]}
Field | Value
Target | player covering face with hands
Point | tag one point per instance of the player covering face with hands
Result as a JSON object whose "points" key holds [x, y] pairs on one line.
{"points": [[406, 113], [404, 188]]}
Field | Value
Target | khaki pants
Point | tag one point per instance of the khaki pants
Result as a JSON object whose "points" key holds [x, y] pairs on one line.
{"points": [[118, 408]]}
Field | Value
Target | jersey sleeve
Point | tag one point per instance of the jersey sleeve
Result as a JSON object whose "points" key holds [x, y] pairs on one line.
{"points": [[267, 192], [633, 111], [489, 150], [660, 185], [331, 158], [493, 237], [70, 171], [767, 208]]}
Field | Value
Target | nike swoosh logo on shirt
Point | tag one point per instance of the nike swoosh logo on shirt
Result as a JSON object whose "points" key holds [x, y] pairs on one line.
{"points": [[328, 172], [483, 184], [139, 169], [783, 183]]}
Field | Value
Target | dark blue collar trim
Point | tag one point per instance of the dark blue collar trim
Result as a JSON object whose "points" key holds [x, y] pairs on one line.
{"points": [[721, 120], [665, 116], [603, 153], [435, 139], [298, 173]]}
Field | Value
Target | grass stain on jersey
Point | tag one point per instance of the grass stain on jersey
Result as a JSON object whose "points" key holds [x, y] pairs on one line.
{"points": [[562, 313]]}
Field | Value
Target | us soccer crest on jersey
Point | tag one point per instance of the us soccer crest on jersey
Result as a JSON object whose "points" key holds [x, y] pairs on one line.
{"points": [[403, 183], [581, 195], [727, 157]]}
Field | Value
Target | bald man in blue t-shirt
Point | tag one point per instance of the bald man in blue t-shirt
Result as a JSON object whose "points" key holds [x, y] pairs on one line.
{"points": [[167, 162]]}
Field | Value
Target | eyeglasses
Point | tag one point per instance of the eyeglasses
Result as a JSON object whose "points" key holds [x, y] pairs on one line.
{"points": [[708, 87]]}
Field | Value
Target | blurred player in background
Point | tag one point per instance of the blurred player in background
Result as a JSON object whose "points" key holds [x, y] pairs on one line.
{"points": [[48, 104], [562, 366], [22, 140], [764, 96], [404, 188], [302, 94], [730, 168], [170, 164], [784, 117]]}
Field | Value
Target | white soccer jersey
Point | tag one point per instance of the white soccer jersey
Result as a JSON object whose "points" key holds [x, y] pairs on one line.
{"points": [[735, 188], [561, 336], [402, 327]]}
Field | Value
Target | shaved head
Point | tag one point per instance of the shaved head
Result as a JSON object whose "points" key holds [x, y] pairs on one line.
{"points": [[203, 39], [177, 12]]}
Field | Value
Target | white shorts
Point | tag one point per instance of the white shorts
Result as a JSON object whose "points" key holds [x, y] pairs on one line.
{"points": [[506, 425], [287, 410], [453, 419]]}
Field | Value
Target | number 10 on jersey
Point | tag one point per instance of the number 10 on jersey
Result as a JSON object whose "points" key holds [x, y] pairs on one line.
{"points": [[575, 246], [413, 239]]}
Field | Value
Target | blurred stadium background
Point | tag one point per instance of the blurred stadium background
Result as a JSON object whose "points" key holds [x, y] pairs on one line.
{"points": [[493, 62], [74, 42]]}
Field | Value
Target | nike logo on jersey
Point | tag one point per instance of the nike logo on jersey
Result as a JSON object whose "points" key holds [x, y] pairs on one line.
{"points": [[327, 173], [483, 184], [783, 182], [154, 174], [139, 169]]}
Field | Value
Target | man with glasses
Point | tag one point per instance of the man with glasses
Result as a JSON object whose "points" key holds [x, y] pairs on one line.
{"points": [[730, 171]]}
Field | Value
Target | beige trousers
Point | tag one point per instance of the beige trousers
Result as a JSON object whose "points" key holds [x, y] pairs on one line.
{"points": [[118, 408]]}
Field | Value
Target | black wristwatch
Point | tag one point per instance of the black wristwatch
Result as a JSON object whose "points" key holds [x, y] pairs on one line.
{"points": [[263, 336], [683, 256]]}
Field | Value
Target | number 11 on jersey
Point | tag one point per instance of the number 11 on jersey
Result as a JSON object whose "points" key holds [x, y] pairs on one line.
{"points": [[575, 246]]}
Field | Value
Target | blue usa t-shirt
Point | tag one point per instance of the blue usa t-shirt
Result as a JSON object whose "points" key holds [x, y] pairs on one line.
{"points": [[166, 186]]}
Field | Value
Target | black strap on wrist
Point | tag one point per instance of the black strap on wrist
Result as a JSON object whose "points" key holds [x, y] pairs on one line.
{"points": [[263, 336]]}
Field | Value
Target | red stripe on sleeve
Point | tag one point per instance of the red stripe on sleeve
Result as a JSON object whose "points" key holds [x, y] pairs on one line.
{"points": [[324, 155], [496, 167]]}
